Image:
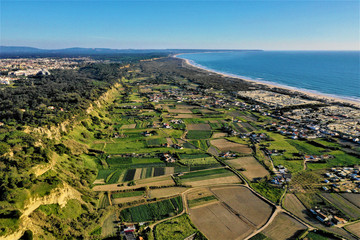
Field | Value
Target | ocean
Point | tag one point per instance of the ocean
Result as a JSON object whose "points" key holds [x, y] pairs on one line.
{"points": [[332, 73]]}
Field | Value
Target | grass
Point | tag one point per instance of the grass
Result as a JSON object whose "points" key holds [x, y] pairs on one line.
{"points": [[200, 161], [104, 173], [153, 211], [176, 229], [200, 201], [71, 210], [198, 134], [127, 194], [266, 190], [306, 148], [114, 178]]}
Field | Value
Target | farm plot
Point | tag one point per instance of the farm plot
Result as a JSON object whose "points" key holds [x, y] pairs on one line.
{"points": [[153, 211], [155, 142], [199, 197], [175, 229], [198, 134], [184, 115], [219, 135], [209, 177], [341, 203], [180, 110], [217, 222], [198, 159], [225, 145], [162, 181], [253, 169], [245, 203], [354, 229], [128, 126], [166, 192], [199, 126], [352, 197], [284, 227]]}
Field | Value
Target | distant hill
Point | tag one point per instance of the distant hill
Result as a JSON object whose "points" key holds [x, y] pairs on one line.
{"points": [[23, 51]]}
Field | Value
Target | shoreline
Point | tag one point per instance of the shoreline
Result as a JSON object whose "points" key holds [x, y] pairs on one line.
{"points": [[293, 90]]}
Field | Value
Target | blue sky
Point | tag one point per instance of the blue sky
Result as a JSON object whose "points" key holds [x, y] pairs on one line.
{"points": [[269, 25]]}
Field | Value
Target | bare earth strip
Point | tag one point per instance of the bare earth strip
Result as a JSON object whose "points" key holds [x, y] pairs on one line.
{"points": [[169, 170], [283, 227], [169, 141], [225, 145], [245, 203], [217, 222], [129, 126], [99, 181], [253, 169], [166, 192], [137, 174], [181, 110], [126, 199], [354, 228], [199, 126], [187, 116], [214, 181], [213, 151], [155, 181], [219, 135]]}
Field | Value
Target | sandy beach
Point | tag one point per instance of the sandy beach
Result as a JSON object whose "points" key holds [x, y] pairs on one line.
{"points": [[315, 96]]}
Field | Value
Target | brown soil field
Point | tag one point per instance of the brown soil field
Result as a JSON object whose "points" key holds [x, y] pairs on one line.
{"points": [[155, 181], [283, 227], [253, 169], [225, 145], [245, 203], [128, 126], [166, 192], [187, 116], [169, 170], [198, 193], [219, 135], [198, 126], [213, 151], [180, 110], [185, 106], [214, 181], [137, 174], [352, 197], [126, 199], [354, 229], [217, 222]]}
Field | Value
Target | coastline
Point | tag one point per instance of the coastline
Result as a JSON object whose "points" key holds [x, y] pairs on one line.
{"points": [[293, 90]]}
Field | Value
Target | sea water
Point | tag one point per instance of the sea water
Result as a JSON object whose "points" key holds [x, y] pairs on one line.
{"points": [[334, 73]]}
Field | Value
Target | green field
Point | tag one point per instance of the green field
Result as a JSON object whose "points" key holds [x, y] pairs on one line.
{"points": [[153, 211], [155, 142], [127, 194], [206, 173], [198, 134], [177, 229]]}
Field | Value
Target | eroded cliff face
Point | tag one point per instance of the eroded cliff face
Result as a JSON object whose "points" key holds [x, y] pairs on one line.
{"points": [[60, 195]]}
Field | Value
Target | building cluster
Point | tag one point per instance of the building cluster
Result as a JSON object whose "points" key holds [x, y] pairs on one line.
{"points": [[342, 179], [14, 69], [282, 175], [273, 99], [326, 218], [340, 121]]}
